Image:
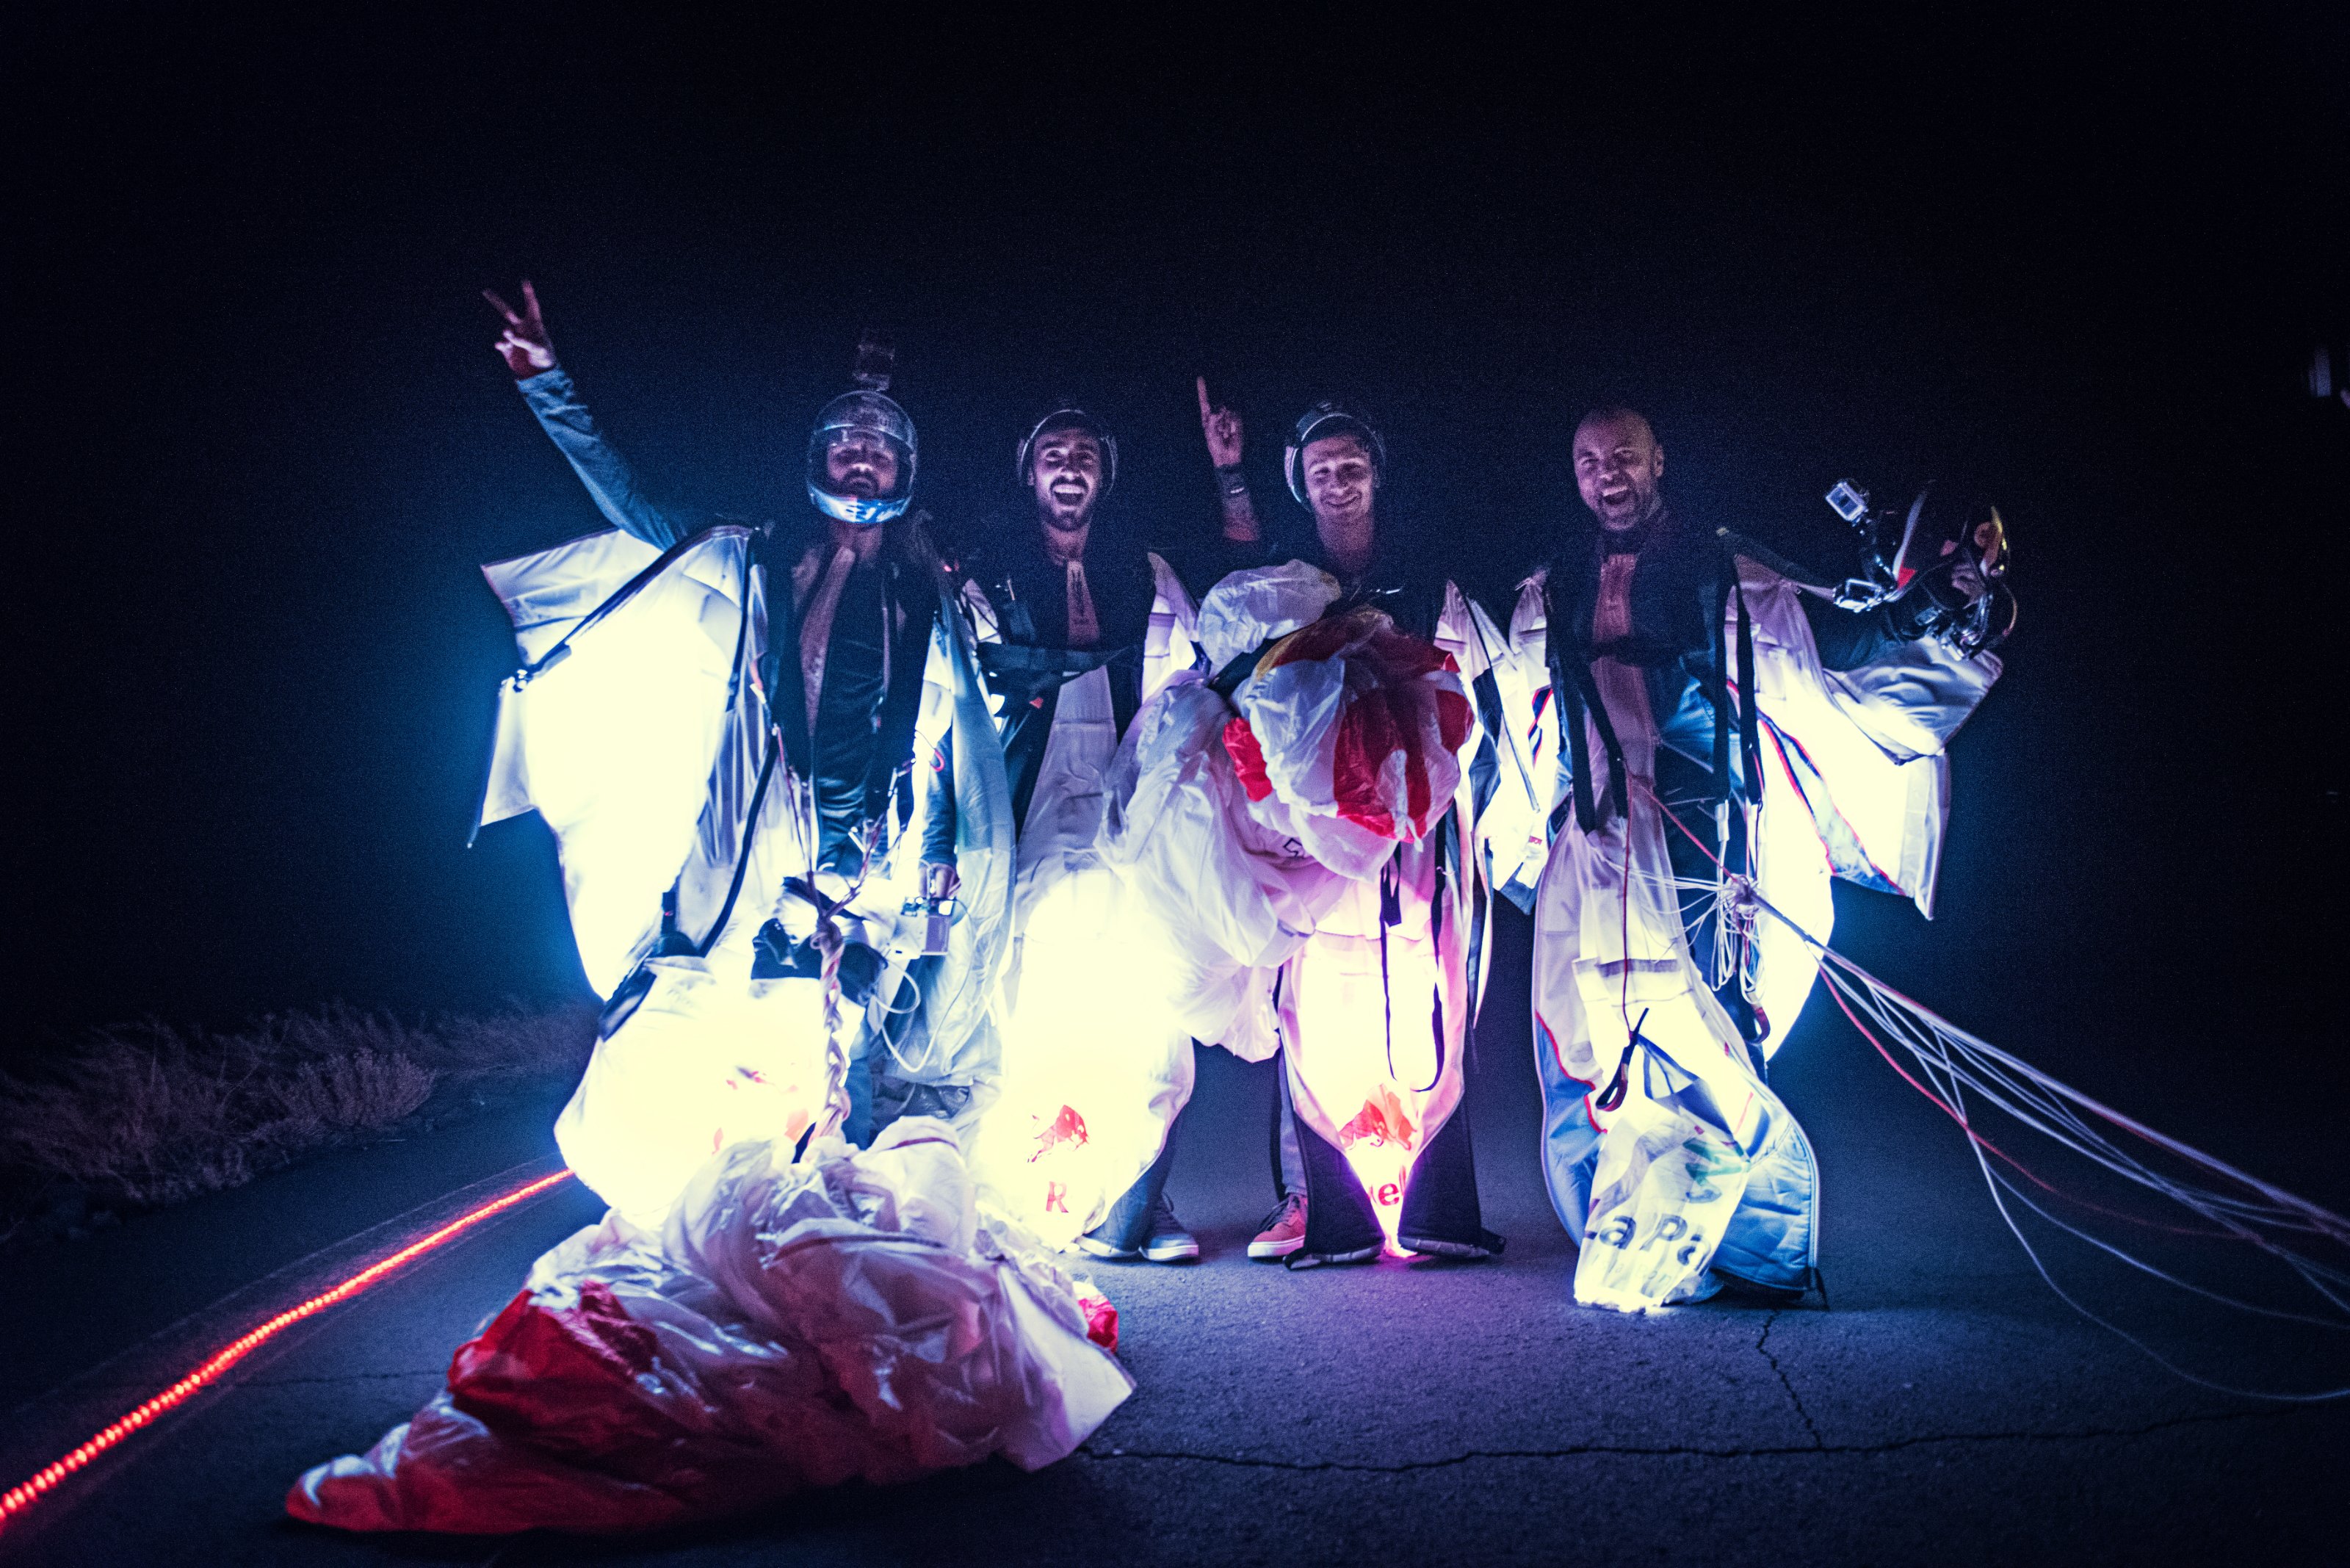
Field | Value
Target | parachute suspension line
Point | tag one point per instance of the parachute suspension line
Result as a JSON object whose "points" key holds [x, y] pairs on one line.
{"points": [[837, 1102], [831, 945], [1954, 1062]]}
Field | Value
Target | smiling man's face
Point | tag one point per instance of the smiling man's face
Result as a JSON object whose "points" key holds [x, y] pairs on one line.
{"points": [[1066, 472], [1616, 466], [1341, 480]]}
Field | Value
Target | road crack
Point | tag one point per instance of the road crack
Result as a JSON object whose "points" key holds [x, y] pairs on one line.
{"points": [[1763, 1345], [1685, 1450]]}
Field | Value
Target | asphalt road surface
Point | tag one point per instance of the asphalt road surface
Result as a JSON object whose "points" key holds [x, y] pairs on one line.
{"points": [[1940, 1403]]}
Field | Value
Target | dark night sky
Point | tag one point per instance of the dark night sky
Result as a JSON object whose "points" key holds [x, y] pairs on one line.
{"points": [[263, 441]]}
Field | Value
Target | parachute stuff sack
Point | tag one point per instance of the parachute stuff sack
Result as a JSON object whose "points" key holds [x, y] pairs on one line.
{"points": [[1670, 1177], [851, 1316]]}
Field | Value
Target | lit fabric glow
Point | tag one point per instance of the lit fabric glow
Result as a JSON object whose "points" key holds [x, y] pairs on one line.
{"points": [[1096, 1066], [1666, 1152], [17, 1498], [765, 1307], [1290, 842]]}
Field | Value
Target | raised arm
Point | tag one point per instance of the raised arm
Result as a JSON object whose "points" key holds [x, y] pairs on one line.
{"points": [[1221, 426], [546, 387]]}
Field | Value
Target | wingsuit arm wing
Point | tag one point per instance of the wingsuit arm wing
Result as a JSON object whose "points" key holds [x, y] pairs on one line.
{"points": [[1516, 828], [610, 479], [1172, 643], [985, 628], [1847, 639]]}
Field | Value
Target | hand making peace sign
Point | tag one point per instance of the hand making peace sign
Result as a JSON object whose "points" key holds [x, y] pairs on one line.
{"points": [[526, 346]]}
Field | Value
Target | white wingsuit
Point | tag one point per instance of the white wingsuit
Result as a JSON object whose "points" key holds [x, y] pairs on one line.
{"points": [[1665, 1151]]}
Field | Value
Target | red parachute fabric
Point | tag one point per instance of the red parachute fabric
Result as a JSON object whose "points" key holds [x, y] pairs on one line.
{"points": [[1381, 720], [796, 1325]]}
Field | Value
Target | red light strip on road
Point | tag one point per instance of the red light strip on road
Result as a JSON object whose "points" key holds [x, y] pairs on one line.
{"points": [[19, 1498]]}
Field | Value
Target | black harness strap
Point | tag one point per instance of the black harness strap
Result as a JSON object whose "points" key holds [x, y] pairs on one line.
{"points": [[1571, 674], [743, 855]]}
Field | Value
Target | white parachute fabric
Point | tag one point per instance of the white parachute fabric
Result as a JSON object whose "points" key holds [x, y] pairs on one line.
{"points": [[1374, 1022], [709, 1057], [1853, 784], [612, 739], [702, 1053], [1096, 1064], [1612, 967], [1094, 1068], [1862, 747], [1300, 831], [1610, 964], [1227, 900], [1245, 610], [851, 1316], [1611, 958]]}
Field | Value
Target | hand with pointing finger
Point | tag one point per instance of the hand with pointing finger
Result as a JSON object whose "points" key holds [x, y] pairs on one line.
{"points": [[525, 348], [1222, 429]]}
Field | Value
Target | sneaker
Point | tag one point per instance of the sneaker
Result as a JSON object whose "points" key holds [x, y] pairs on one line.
{"points": [[1167, 1241], [1094, 1246], [1285, 1230]]}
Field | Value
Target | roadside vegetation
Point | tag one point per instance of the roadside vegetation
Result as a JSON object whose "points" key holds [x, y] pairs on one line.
{"points": [[136, 1116]]}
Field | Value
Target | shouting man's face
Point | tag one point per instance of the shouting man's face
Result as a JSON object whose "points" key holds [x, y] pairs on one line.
{"points": [[1339, 479], [862, 463], [1065, 470], [1616, 466]]}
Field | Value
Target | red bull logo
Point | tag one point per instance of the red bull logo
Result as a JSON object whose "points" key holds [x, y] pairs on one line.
{"points": [[1381, 1121], [1068, 1127]]}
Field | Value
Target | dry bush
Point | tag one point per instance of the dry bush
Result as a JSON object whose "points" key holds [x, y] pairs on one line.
{"points": [[515, 1045], [362, 1088], [145, 1114]]}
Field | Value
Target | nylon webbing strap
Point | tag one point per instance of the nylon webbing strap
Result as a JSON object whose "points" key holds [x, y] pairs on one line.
{"points": [[621, 596], [1573, 676]]}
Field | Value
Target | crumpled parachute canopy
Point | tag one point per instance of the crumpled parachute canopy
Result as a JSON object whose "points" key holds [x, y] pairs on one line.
{"points": [[875, 413], [1249, 609]]}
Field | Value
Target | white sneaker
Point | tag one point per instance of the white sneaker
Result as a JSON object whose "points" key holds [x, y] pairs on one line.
{"points": [[1168, 1241]]}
